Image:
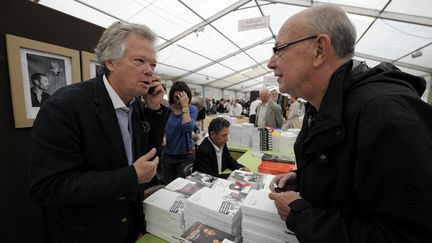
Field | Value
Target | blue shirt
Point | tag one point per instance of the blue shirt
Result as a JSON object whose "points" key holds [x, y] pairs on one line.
{"points": [[178, 135]]}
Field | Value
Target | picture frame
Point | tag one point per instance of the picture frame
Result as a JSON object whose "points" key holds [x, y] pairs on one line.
{"points": [[89, 65], [36, 71]]}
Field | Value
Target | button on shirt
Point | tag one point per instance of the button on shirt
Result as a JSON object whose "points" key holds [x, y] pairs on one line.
{"points": [[124, 114], [218, 156]]}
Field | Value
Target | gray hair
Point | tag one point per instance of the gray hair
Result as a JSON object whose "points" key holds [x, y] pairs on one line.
{"points": [[264, 90], [332, 20], [197, 100], [112, 43]]}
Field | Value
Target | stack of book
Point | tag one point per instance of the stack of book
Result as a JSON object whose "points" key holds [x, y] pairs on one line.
{"points": [[235, 135], [265, 136], [286, 142], [240, 134], [220, 210], [261, 222], [164, 209], [201, 233], [164, 214]]}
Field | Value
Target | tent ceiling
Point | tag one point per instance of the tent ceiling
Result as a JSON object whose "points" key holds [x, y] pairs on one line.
{"points": [[199, 42]]}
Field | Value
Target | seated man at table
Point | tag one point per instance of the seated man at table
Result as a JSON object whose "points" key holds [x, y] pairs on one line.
{"points": [[212, 156]]}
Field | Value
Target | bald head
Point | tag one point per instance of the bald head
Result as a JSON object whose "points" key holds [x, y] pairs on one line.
{"points": [[310, 47], [325, 19]]}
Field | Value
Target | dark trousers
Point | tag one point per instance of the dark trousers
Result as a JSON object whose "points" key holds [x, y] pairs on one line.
{"points": [[252, 119], [173, 166]]}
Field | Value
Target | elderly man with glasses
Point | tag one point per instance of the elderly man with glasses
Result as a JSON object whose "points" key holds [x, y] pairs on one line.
{"points": [[364, 170]]}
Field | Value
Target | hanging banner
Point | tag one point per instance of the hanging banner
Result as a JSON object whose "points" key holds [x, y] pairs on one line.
{"points": [[254, 23]]}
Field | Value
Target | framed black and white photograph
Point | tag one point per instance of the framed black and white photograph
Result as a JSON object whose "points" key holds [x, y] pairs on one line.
{"points": [[36, 71], [89, 65]]}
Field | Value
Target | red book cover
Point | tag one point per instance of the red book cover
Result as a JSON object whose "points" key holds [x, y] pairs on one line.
{"points": [[275, 168]]}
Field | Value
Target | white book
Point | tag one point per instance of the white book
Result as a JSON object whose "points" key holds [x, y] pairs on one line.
{"points": [[258, 204], [184, 186], [217, 209], [203, 178]]}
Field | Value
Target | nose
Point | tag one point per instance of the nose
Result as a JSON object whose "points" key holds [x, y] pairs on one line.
{"points": [[272, 62], [148, 69]]}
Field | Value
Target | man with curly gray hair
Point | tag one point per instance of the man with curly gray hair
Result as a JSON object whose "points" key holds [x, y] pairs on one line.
{"points": [[92, 153]]}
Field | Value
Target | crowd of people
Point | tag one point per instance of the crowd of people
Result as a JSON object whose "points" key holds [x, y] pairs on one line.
{"points": [[363, 152]]}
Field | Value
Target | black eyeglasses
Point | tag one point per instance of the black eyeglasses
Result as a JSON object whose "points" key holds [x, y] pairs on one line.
{"points": [[277, 49]]}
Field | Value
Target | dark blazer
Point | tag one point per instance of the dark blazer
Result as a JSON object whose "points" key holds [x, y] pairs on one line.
{"points": [[79, 168], [206, 160]]}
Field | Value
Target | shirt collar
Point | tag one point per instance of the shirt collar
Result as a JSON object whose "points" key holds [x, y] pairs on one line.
{"points": [[115, 98], [217, 149]]}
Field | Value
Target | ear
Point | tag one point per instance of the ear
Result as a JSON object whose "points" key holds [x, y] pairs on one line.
{"points": [[110, 65], [323, 47]]}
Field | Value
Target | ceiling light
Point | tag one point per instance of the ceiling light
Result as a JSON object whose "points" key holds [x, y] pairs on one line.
{"points": [[417, 54]]}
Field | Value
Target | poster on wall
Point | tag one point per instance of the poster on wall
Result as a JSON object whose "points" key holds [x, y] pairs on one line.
{"points": [[89, 66], [36, 71]]}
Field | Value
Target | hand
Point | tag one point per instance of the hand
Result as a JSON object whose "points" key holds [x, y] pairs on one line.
{"points": [[195, 136], [146, 168], [155, 94], [288, 182], [183, 98], [281, 201]]}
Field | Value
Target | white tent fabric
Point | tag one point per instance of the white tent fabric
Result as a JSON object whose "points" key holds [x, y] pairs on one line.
{"points": [[199, 41]]}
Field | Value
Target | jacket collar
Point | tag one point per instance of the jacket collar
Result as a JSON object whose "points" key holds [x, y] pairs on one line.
{"points": [[105, 112], [330, 113]]}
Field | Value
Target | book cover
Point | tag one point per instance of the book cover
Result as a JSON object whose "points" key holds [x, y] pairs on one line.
{"points": [[184, 186], [223, 185], [201, 233], [205, 179]]}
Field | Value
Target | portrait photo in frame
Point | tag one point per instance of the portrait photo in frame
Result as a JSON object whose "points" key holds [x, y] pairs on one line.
{"points": [[89, 65], [36, 71]]}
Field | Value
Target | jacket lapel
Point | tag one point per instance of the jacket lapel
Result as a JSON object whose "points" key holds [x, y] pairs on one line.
{"points": [[108, 118]]}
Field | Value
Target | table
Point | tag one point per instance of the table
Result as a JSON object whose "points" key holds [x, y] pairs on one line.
{"points": [[247, 159]]}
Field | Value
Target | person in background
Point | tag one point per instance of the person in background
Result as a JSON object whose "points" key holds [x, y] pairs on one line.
{"points": [[198, 102], [93, 144], [293, 118], [39, 89], [220, 106], [252, 110], [274, 95], [212, 156], [268, 113], [236, 109], [179, 149], [364, 171]]}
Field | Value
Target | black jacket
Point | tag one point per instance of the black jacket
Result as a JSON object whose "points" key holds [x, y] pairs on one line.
{"points": [[365, 160], [206, 160], [79, 169]]}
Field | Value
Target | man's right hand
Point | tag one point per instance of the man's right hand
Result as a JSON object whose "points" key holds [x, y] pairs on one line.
{"points": [[145, 167], [288, 182]]}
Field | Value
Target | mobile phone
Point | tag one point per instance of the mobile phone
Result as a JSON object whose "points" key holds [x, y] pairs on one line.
{"points": [[277, 189], [151, 89]]}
